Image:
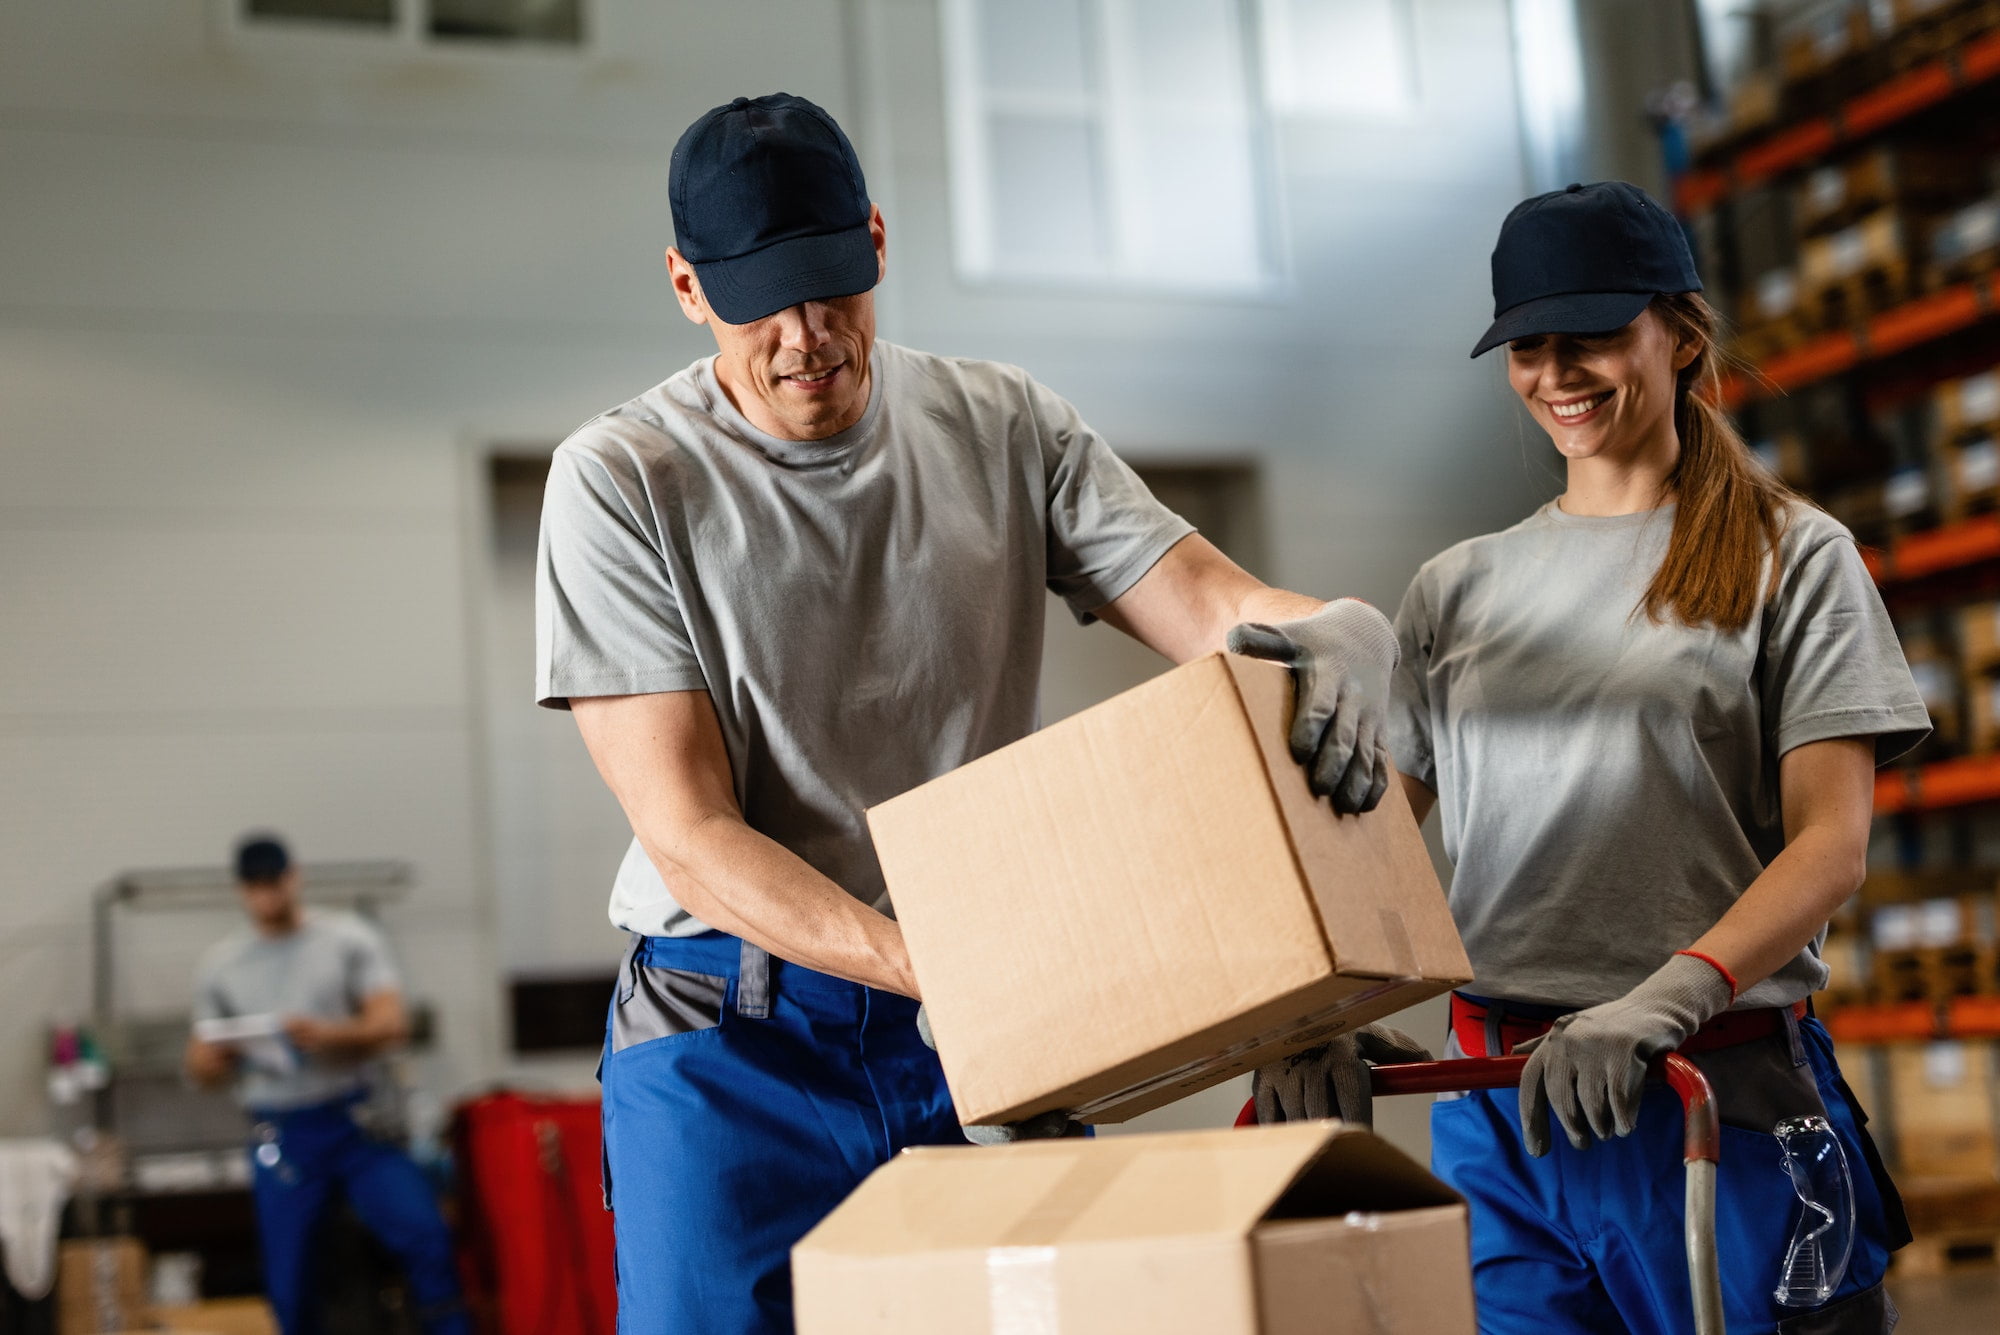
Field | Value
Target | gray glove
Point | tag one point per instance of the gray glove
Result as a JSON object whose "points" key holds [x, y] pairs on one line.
{"points": [[1341, 658], [1331, 1080], [1056, 1125], [1590, 1068]]}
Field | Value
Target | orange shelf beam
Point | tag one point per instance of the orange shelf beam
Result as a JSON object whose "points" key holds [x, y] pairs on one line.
{"points": [[1947, 783], [1885, 104], [1897, 329], [1973, 1017], [1916, 1020]]}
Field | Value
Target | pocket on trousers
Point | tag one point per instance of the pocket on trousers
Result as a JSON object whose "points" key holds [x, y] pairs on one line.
{"points": [[1869, 1312], [653, 1004]]}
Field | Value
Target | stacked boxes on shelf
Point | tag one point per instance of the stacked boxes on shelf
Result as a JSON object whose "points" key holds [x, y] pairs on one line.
{"points": [[1967, 440], [1870, 231], [1829, 50], [1933, 950]]}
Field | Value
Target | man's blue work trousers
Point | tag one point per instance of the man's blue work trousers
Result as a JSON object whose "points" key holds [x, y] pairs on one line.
{"points": [[1590, 1241], [302, 1161], [744, 1098]]}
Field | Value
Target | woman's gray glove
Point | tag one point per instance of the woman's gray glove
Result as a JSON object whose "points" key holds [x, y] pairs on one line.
{"points": [[1341, 659], [1331, 1080], [1056, 1125], [1590, 1068]]}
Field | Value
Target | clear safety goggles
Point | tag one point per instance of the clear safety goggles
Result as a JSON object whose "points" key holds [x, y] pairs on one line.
{"points": [[1822, 1237]]}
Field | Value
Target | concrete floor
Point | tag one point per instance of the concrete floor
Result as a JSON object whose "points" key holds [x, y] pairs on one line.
{"points": [[1963, 1301]]}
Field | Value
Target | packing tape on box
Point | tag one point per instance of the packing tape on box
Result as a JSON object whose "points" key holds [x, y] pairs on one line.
{"points": [[1396, 936], [1020, 1274], [1021, 1291], [1322, 1024]]}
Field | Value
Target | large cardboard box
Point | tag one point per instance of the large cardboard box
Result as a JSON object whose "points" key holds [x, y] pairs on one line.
{"points": [[219, 1316], [101, 1286], [1277, 1230], [1145, 899]]}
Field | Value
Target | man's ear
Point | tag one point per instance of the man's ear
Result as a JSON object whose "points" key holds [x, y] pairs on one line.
{"points": [[687, 287], [878, 232]]}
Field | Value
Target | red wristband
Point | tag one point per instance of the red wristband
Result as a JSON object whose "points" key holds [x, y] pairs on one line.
{"points": [[1715, 964]]}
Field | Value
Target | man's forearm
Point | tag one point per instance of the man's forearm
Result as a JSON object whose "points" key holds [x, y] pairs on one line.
{"points": [[741, 882], [1267, 604]]}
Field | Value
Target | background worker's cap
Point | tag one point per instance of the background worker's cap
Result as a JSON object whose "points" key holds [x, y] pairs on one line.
{"points": [[1585, 260], [261, 859], [770, 207]]}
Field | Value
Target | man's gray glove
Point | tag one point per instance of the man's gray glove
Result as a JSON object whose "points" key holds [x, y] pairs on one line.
{"points": [[1331, 1080], [1590, 1068], [1341, 658], [1056, 1125]]}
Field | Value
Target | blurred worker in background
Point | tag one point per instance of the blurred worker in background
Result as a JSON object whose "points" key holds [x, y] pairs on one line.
{"points": [[794, 580], [305, 998], [1650, 715]]}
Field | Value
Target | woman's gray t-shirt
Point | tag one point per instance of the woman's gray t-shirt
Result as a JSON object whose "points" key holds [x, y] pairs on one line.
{"points": [[865, 612], [1608, 785]]}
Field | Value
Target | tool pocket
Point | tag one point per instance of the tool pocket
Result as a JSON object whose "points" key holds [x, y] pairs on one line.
{"points": [[653, 1004], [1761, 1083], [1869, 1312]]}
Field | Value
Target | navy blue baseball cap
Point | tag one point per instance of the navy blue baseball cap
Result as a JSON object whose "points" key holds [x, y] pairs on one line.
{"points": [[770, 207], [1584, 260], [261, 859]]}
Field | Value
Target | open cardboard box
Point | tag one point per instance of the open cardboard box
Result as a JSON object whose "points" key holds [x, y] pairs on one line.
{"points": [[1278, 1230], [1146, 899]]}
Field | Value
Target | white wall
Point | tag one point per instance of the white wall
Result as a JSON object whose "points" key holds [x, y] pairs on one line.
{"points": [[262, 299]]}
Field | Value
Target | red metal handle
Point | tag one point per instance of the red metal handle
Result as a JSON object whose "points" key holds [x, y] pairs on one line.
{"points": [[1701, 1140]]}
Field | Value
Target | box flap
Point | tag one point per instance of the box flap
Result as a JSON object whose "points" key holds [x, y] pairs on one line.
{"points": [[1378, 895], [1406, 1272], [1045, 1193], [1126, 864]]}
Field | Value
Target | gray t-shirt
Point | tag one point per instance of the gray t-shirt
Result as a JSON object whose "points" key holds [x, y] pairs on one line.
{"points": [[1608, 785], [325, 969], [865, 611]]}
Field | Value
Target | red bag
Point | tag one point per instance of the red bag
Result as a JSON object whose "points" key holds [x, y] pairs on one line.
{"points": [[532, 1224]]}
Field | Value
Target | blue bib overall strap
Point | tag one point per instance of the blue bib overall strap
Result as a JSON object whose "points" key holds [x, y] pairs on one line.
{"points": [[744, 1098]]}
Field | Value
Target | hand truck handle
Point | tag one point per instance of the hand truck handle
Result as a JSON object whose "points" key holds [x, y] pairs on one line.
{"points": [[1703, 1138], [1701, 1147]]}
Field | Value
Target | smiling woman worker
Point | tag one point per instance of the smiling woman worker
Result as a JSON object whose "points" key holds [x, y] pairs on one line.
{"points": [[1649, 714]]}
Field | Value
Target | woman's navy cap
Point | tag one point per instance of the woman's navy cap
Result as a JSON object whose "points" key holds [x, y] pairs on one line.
{"points": [[770, 207], [1585, 260]]}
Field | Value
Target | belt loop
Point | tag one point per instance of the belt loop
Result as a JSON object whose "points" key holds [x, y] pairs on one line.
{"points": [[1792, 1035], [753, 983], [1496, 1038]]}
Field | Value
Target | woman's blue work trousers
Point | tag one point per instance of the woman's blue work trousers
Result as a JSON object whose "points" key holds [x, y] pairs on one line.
{"points": [[1590, 1242]]}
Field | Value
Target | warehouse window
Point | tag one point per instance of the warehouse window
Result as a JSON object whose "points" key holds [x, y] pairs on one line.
{"points": [[1339, 57], [508, 22], [1108, 141]]}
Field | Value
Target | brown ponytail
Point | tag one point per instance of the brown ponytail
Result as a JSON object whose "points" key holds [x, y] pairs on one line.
{"points": [[1730, 510]]}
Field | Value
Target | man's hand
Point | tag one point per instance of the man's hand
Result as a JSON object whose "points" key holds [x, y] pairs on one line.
{"points": [[1057, 1125], [308, 1034], [1331, 1080], [1341, 659], [1591, 1067], [209, 1064]]}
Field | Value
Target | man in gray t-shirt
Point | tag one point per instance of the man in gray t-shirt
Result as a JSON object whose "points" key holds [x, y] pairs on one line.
{"points": [[293, 1008], [797, 578]]}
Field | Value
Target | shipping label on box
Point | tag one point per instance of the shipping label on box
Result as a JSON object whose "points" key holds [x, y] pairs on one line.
{"points": [[1145, 899], [1277, 1230]]}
